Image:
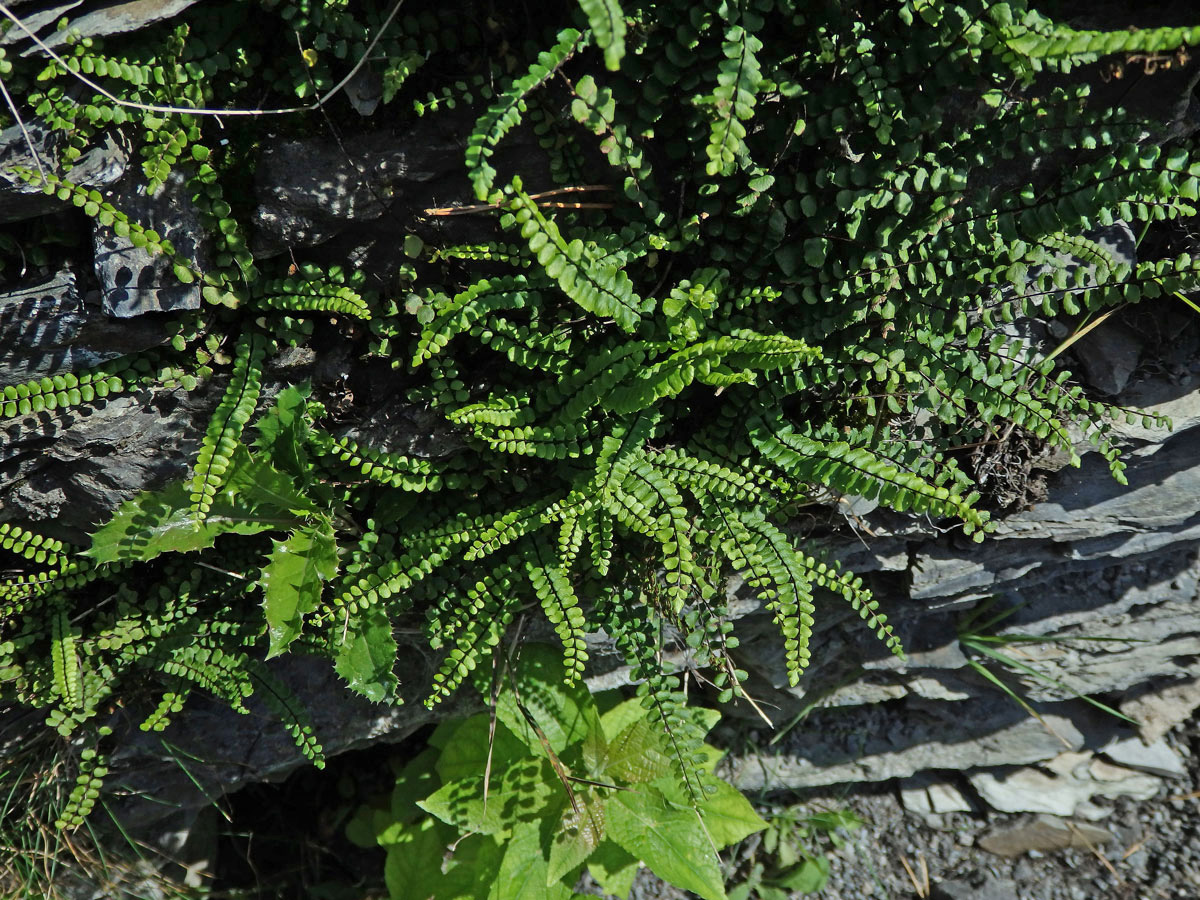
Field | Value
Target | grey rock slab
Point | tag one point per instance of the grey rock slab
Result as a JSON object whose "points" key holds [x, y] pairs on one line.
{"points": [[925, 794], [1088, 517], [876, 743], [310, 190], [1161, 705], [1044, 834], [95, 20], [76, 466], [225, 750], [103, 165], [1062, 792], [1157, 758], [134, 281], [1108, 355], [46, 327], [985, 888]]}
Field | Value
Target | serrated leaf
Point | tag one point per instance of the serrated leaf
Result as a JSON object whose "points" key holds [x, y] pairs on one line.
{"points": [[614, 869], [263, 485], [157, 522], [465, 751], [621, 716], [666, 838], [727, 814], [366, 656], [284, 429], [522, 874], [565, 714], [638, 754], [292, 581], [579, 832], [519, 795]]}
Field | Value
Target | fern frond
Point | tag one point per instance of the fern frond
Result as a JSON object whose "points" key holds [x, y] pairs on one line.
{"points": [[64, 659], [603, 290], [280, 699], [505, 112], [732, 101], [487, 612], [553, 589], [301, 295], [607, 22], [470, 306], [227, 422]]}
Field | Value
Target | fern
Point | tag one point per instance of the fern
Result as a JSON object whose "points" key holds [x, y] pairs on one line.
{"points": [[225, 428], [605, 291], [607, 22], [505, 112]]}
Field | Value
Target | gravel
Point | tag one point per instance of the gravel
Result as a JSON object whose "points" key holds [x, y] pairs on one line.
{"points": [[1155, 854]]}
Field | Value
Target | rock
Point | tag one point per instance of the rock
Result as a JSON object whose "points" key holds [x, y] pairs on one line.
{"points": [[926, 795], [1158, 709], [310, 190], [46, 327], [1060, 787], [76, 466], [1044, 834], [875, 743], [1108, 355], [134, 281], [1156, 758], [111, 18], [982, 888], [19, 199]]}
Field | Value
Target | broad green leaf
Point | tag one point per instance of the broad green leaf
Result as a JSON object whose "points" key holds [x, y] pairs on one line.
{"points": [[621, 716], [263, 485], [808, 877], [413, 865], [284, 429], [416, 781], [666, 838], [465, 752], [577, 834], [614, 869], [638, 754], [519, 794], [293, 578], [522, 874], [366, 655], [728, 816], [471, 871], [564, 714], [158, 522]]}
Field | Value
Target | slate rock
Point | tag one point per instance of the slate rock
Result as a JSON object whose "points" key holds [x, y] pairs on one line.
{"points": [[876, 743], [1157, 758], [927, 795], [75, 466], [310, 190], [19, 200], [1060, 789], [984, 887], [134, 281], [1108, 354], [1044, 834], [47, 327], [1159, 706], [97, 20]]}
